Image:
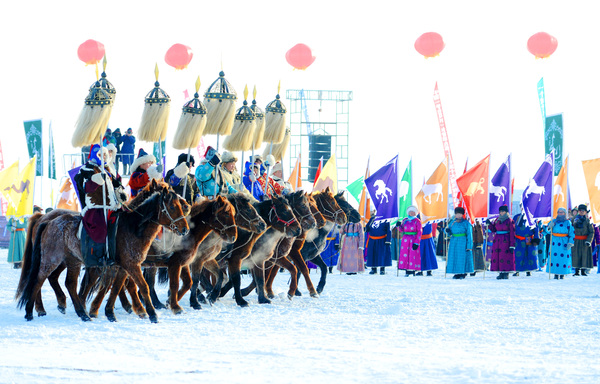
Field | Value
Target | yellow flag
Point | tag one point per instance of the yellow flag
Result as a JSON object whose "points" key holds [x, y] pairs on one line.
{"points": [[591, 170], [7, 178], [296, 177], [328, 176], [433, 197], [560, 190], [22, 191], [364, 206]]}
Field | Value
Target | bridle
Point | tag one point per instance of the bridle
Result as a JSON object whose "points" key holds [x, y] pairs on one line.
{"points": [[224, 228], [164, 210], [279, 219], [330, 210], [303, 216], [252, 222]]}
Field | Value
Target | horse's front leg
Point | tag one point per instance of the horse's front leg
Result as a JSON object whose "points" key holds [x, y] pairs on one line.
{"points": [[135, 272], [321, 264], [259, 276]]}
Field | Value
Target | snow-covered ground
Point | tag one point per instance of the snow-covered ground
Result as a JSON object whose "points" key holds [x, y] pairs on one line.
{"points": [[364, 328]]}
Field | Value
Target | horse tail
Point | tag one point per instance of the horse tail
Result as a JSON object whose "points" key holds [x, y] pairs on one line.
{"points": [[26, 262], [163, 276], [86, 281], [31, 276]]}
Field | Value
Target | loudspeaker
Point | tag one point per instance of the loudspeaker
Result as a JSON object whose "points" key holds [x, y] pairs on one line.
{"points": [[319, 146]]}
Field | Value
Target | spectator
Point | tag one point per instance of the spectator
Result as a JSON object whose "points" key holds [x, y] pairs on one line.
{"points": [[127, 151]]}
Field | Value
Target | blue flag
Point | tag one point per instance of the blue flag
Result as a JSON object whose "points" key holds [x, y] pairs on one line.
{"points": [[537, 197], [383, 186], [500, 188]]}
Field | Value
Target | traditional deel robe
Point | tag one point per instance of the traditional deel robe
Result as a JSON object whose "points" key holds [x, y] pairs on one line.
{"points": [[479, 263], [177, 182], [351, 258], [584, 234], [211, 182], [252, 186], [596, 246], [16, 245], [542, 246], [427, 249], [396, 239], [269, 186], [331, 252], [233, 178], [526, 256], [501, 254], [460, 254], [140, 178], [410, 259], [378, 249], [440, 249], [488, 244], [559, 258], [128, 149]]}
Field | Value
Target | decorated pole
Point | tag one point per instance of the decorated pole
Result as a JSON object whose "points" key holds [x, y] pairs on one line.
{"points": [[274, 122], [259, 131], [242, 133], [220, 99]]}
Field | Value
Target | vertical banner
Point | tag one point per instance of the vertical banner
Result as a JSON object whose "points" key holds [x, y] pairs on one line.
{"points": [[500, 189], [560, 193], [591, 170], [327, 177], [21, 191], [364, 206], [51, 156], [3, 201], [451, 170], [295, 179], [537, 197], [33, 136], [430, 200], [474, 185], [553, 139], [542, 97], [383, 189], [405, 192]]}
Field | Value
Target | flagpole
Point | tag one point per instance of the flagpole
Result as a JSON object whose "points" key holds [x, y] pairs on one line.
{"points": [[510, 183], [485, 267], [446, 241], [552, 209]]}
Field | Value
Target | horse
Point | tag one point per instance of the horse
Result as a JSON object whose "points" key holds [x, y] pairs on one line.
{"points": [[432, 189], [137, 228]]}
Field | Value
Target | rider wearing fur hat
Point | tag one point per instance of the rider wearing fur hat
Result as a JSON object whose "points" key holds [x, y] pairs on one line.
{"points": [[229, 170], [209, 176], [144, 170], [584, 235], [176, 178]]}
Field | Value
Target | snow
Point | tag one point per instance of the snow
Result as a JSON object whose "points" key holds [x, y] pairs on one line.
{"points": [[363, 328]]}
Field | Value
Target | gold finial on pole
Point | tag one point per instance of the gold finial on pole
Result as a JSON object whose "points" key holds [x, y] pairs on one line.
{"points": [[254, 93], [246, 92], [198, 84], [156, 71]]}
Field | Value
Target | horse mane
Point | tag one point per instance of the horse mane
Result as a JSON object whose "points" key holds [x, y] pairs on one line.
{"points": [[144, 194], [200, 207], [138, 218]]}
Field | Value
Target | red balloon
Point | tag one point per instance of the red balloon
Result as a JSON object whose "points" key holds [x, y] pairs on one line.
{"points": [[542, 45], [91, 52], [300, 56], [430, 44], [179, 56]]}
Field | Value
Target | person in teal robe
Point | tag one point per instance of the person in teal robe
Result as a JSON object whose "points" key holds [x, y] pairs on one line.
{"points": [[460, 249], [16, 246]]}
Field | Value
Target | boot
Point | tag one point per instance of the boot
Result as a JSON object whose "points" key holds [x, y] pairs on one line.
{"points": [[528, 273], [500, 276], [516, 274], [331, 269], [576, 272], [373, 271], [410, 273], [463, 276], [583, 272], [562, 277], [429, 273], [506, 274], [456, 277], [556, 277], [420, 273], [382, 271], [474, 274]]}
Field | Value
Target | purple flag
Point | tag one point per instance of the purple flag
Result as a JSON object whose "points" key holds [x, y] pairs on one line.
{"points": [[72, 174], [500, 188], [537, 197], [383, 186]]}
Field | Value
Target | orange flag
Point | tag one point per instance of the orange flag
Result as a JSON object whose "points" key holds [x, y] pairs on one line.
{"points": [[561, 189], [473, 185], [68, 199], [296, 177], [591, 170], [364, 207], [432, 199]]}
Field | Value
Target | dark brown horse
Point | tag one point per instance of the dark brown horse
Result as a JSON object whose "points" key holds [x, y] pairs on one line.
{"points": [[57, 239]]}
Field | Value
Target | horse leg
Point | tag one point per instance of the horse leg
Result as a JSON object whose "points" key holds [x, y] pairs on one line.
{"points": [[135, 272], [150, 277], [117, 286], [234, 275], [125, 300], [321, 264], [73, 271], [259, 276], [270, 274], [136, 304], [90, 278], [97, 302], [301, 266], [61, 298], [195, 292], [248, 290], [186, 283], [287, 264], [215, 270]]}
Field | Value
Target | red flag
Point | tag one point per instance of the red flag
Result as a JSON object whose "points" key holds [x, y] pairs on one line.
{"points": [[461, 200], [474, 187], [186, 94], [318, 171]]}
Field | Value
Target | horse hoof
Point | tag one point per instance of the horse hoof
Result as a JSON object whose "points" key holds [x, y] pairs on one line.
{"points": [[111, 318], [153, 319], [196, 306], [243, 303], [314, 295], [42, 313], [29, 317], [320, 290], [128, 309], [62, 310], [177, 311], [142, 315], [159, 305], [297, 293], [93, 315], [202, 299], [290, 297], [264, 301], [271, 296], [87, 318]]}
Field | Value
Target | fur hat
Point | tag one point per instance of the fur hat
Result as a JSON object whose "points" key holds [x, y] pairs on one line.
{"points": [[183, 158], [460, 210], [503, 208], [142, 158], [257, 158], [95, 154], [277, 167], [228, 157], [412, 208], [582, 207]]}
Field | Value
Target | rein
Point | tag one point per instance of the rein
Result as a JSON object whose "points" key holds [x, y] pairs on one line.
{"points": [[172, 225], [224, 228], [279, 219], [257, 219], [328, 210]]}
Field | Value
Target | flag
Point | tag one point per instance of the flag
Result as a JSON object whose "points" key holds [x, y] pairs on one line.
{"points": [[553, 139], [21, 191], [432, 199], [72, 173], [186, 94], [33, 136], [327, 176], [3, 201], [51, 156], [405, 191], [591, 171], [201, 148], [318, 173], [499, 192], [296, 176], [537, 197], [474, 187], [542, 97], [364, 206], [68, 197], [7, 178], [446, 143], [560, 193], [383, 189], [355, 188], [459, 197]]}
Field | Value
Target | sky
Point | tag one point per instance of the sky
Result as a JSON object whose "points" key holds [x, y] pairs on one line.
{"points": [[487, 78]]}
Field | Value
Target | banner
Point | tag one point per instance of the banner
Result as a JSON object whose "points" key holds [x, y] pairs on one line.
{"points": [[560, 193], [33, 136], [383, 189], [542, 97], [405, 191], [500, 189], [296, 176], [21, 191], [318, 173], [591, 171], [3, 201], [51, 156], [537, 197], [7, 179], [328, 176], [452, 171], [364, 207], [201, 148], [72, 173], [473, 185], [68, 198], [553, 139], [355, 188], [431, 200]]}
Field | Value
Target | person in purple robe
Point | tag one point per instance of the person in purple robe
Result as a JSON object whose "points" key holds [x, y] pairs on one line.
{"points": [[503, 249]]}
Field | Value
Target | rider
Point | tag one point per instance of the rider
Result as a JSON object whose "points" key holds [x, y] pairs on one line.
{"points": [[175, 177], [209, 176], [250, 180], [144, 170], [281, 186]]}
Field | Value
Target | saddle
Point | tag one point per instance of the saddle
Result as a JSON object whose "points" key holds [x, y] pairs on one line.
{"points": [[95, 254]]}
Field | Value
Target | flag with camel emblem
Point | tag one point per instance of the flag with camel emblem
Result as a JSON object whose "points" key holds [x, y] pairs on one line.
{"points": [[405, 191], [383, 189], [537, 197], [591, 170], [473, 185], [560, 193], [21, 191], [432, 200], [500, 188]]}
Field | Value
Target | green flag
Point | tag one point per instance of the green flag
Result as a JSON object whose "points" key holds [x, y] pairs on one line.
{"points": [[355, 188], [405, 191], [33, 136], [156, 151], [51, 155], [553, 138]]}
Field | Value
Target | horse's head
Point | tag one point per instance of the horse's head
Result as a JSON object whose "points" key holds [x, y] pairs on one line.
{"points": [[299, 203], [282, 218], [222, 219], [246, 216], [329, 207], [351, 213], [172, 213], [319, 218]]}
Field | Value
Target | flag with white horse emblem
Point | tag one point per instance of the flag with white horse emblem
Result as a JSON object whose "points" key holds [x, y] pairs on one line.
{"points": [[432, 200], [500, 188], [383, 189], [537, 197]]}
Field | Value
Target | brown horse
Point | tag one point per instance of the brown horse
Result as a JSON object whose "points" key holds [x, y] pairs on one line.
{"points": [[137, 227]]}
